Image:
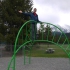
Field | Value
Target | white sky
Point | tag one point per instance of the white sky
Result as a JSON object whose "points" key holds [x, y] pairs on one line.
{"points": [[53, 11]]}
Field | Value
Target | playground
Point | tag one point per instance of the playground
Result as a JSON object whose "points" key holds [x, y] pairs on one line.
{"points": [[36, 58], [37, 63], [32, 63], [30, 43]]}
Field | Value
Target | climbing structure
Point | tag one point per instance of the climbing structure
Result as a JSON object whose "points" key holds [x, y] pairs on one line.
{"points": [[23, 40]]}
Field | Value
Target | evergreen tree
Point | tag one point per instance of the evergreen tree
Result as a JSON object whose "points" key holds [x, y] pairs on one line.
{"points": [[0, 11], [45, 31], [3, 27], [12, 18], [48, 32]]}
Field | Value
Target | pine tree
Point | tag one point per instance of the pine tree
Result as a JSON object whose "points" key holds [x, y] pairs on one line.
{"points": [[12, 18], [3, 28]]}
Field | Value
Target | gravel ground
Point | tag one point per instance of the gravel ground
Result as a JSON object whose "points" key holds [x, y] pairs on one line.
{"points": [[37, 63]]}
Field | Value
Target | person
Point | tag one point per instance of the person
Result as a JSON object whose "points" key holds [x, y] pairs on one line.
{"points": [[33, 16]]}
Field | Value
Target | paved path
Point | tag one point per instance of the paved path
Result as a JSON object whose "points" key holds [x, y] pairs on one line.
{"points": [[37, 63]]}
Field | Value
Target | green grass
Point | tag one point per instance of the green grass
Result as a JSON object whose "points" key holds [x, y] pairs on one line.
{"points": [[40, 52]]}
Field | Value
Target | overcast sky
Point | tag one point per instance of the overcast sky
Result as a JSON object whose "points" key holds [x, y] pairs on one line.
{"points": [[53, 11]]}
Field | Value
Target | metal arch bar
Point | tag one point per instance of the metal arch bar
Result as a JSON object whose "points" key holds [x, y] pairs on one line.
{"points": [[15, 51]]}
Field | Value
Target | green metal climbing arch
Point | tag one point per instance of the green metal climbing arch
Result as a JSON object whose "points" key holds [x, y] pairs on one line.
{"points": [[23, 39]]}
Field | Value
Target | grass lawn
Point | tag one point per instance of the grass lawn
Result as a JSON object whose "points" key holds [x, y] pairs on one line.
{"points": [[41, 51]]}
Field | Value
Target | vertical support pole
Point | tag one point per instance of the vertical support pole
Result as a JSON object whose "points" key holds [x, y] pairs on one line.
{"points": [[48, 31], [42, 33], [59, 38], [23, 49], [14, 66], [53, 37], [24, 54], [26, 32], [14, 61], [29, 58]]}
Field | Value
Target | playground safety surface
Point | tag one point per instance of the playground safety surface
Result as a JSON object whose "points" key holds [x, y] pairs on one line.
{"points": [[37, 63]]}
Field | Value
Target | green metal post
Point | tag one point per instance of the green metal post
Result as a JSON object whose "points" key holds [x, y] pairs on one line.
{"points": [[24, 55]]}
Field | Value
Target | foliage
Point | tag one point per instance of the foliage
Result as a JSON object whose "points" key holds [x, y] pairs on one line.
{"points": [[12, 18], [45, 32], [1, 38]]}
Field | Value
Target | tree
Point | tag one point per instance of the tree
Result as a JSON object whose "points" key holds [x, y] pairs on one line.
{"points": [[2, 39], [0, 11], [3, 28], [45, 32], [41, 31], [12, 18], [48, 32]]}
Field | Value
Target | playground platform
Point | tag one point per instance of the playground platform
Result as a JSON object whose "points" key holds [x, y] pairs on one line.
{"points": [[37, 63]]}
